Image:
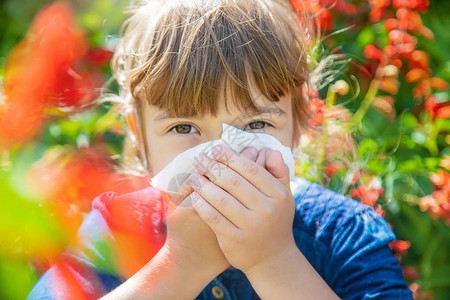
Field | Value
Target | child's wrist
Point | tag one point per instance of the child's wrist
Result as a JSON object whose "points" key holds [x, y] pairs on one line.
{"points": [[192, 265], [279, 260]]}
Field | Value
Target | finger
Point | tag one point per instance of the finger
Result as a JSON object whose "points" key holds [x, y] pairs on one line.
{"points": [[262, 155], [222, 201], [250, 152], [253, 172], [215, 220], [231, 181], [183, 191], [276, 166]]}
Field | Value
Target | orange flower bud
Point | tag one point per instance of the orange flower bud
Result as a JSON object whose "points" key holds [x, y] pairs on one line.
{"points": [[372, 52], [426, 32], [383, 104], [419, 59], [404, 42], [421, 90], [439, 83], [443, 112], [416, 75], [397, 62], [389, 85], [390, 50], [409, 20], [391, 24]]}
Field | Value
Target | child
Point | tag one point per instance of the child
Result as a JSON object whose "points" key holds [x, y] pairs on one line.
{"points": [[242, 231]]}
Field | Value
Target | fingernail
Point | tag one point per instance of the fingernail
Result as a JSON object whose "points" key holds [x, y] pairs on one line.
{"points": [[252, 151], [216, 150], [248, 151], [193, 179], [267, 152], [194, 197], [200, 162]]}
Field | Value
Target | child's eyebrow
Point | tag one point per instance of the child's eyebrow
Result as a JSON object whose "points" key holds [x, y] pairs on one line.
{"points": [[261, 110]]}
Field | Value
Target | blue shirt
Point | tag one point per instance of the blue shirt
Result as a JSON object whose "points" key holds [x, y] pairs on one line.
{"points": [[345, 241]]}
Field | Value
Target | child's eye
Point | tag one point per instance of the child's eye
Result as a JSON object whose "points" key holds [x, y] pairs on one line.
{"points": [[183, 128], [257, 125]]}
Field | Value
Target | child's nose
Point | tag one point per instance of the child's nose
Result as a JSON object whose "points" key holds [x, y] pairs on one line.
{"points": [[213, 132], [211, 136]]}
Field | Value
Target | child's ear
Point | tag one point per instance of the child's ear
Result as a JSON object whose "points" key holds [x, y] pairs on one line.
{"points": [[130, 121]]}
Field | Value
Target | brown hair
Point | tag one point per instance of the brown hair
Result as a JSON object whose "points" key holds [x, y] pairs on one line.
{"points": [[179, 55]]}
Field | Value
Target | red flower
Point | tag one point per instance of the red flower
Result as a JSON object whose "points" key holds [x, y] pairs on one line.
{"points": [[317, 107], [438, 203], [377, 9], [325, 19], [332, 169], [404, 42], [384, 104], [412, 4], [389, 85], [367, 195], [415, 75], [372, 52], [439, 83], [399, 246], [45, 71], [411, 273], [340, 6], [99, 56], [391, 24], [409, 20], [322, 15], [380, 211], [419, 59], [68, 180], [437, 110]]}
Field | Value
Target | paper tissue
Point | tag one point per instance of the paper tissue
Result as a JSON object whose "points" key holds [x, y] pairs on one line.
{"points": [[175, 173]]}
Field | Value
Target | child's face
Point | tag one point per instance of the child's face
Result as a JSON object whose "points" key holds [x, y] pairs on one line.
{"points": [[169, 136]]}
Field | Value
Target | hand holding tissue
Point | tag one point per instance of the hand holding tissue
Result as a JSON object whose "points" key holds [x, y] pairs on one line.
{"points": [[175, 173]]}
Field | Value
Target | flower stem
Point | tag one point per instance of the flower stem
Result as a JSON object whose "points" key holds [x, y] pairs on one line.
{"points": [[369, 97]]}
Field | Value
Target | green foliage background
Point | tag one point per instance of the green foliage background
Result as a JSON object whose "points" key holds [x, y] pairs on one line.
{"points": [[401, 152]]}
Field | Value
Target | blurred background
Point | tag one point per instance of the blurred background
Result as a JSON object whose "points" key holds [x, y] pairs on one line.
{"points": [[381, 110]]}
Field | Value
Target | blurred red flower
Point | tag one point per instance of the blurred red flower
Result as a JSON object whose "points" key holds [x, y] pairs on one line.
{"points": [[412, 4], [99, 56], [399, 246], [46, 71], [377, 9], [367, 194], [438, 203], [437, 110], [69, 179], [317, 108], [372, 52]]}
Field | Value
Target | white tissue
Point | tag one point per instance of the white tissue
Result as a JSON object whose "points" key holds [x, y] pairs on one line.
{"points": [[175, 173]]}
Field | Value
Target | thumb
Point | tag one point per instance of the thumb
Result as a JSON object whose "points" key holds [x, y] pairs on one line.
{"points": [[276, 166]]}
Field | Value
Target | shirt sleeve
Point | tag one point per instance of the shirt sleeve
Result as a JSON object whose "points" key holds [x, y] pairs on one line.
{"points": [[116, 239], [78, 273], [361, 264]]}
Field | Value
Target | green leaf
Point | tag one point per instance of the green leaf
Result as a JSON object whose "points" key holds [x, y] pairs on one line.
{"points": [[410, 120], [16, 279], [365, 37], [367, 148]]}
